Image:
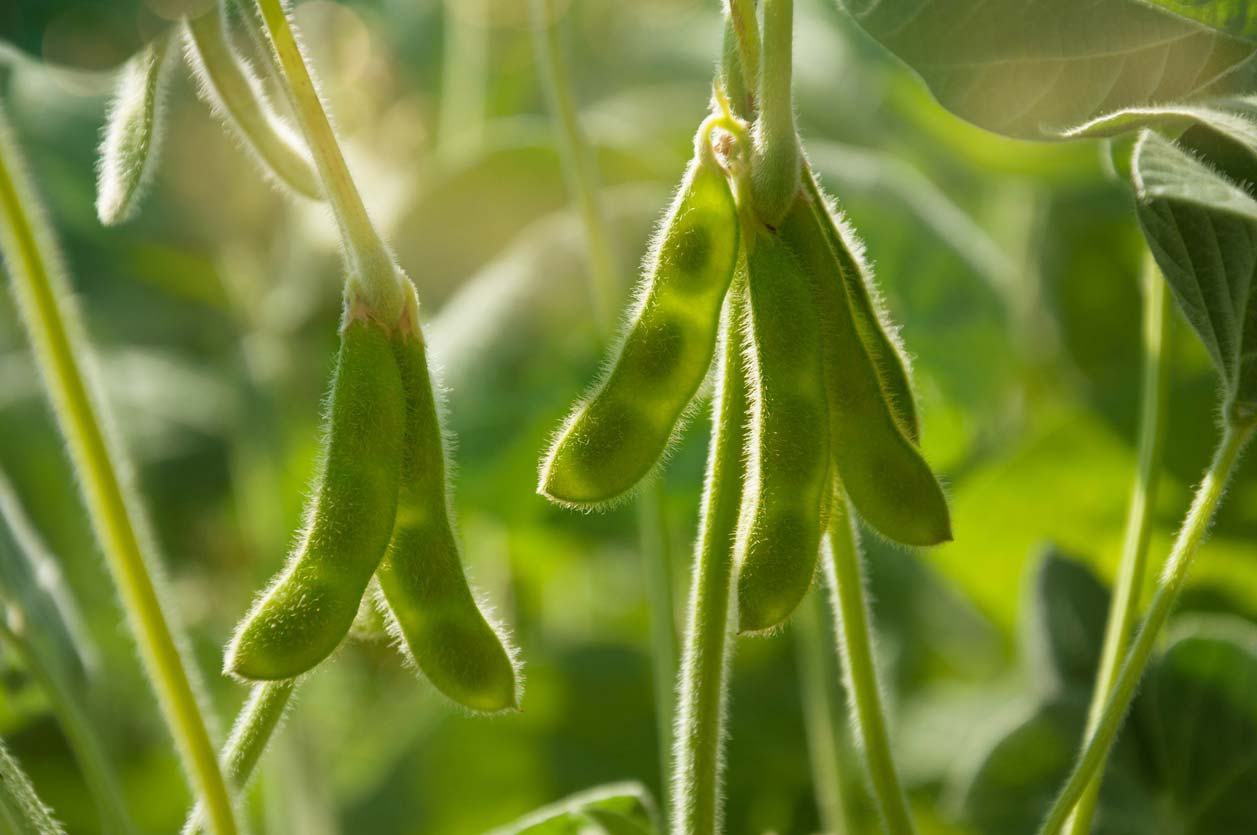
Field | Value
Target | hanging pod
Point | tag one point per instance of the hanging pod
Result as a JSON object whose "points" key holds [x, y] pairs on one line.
{"points": [[613, 440], [880, 467], [788, 467], [424, 587], [130, 144], [237, 96], [308, 609]]}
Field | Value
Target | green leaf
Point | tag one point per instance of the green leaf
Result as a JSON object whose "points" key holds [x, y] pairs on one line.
{"points": [[1065, 622], [34, 601], [1235, 17], [21, 810], [613, 809], [1032, 68], [1199, 718], [1202, 229], [1234, 117]]}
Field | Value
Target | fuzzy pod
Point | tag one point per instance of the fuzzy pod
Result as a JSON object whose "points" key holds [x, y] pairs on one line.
{"points": [[309, 608], [440, 625], [885, 353], [132, 138], [880, 467], [789, 484], [228, 84], [613, 440]]}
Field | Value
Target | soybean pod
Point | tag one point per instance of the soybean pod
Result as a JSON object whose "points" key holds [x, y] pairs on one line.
{"points": [[309, 608], [884, 351], [130, 145], [789, 485], [879, 466], [228, 84], [424, 587], [614, 439]]}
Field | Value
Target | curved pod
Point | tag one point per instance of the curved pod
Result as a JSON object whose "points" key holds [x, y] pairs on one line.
{"points": [[789, 483], [422, 578], [614, 439], [309, 608], [881, 469]]}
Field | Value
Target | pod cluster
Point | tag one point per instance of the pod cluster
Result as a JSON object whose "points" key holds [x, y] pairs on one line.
{"points": [[831, 414], [380, 509]]}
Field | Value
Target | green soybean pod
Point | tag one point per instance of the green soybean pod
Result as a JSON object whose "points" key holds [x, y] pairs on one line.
{"points": [[435, 616], [228, 84], [611, 441], [884, 350], [881, 469], [789, 484], [132, 137], [308, 609]]}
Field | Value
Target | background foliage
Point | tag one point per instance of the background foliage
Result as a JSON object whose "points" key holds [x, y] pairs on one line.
{"points": [[1011, 265]]}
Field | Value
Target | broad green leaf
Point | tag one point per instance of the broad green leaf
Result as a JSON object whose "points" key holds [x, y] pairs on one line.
{"points": [[1032, 68], [1235, 17], [1234, 117], [1199, 718], [21, 810], [614, 809], [1202, 229], [1064, 622]]}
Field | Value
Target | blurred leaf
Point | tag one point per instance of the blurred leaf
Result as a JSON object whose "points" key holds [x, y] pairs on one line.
{"points": [[1030, 69], [1200, 719], [1065, 622], [21, 810], [34, 600], [1235, 17], [1202, 229], [617, 809]]}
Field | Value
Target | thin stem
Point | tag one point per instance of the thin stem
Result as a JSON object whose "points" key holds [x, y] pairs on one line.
{"points": [[1124, 610], [744, 32], [700, 729], [258, 721], [51, 322], [775, 171], [374, 273], [817, 689], [1195, 527], [845, 577], [97, 772], [581, 172]]}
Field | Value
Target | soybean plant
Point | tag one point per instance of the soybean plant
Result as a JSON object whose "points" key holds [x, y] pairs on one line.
{"points": [[813, 407]]}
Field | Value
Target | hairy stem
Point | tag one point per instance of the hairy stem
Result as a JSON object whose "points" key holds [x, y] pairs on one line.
{"points": [[775, 169], [1096, 749], [581, 172], [743, 31], [817, 688], [1124, 610], [845, 577], [700, 728], [51, 323], [373, 272], [258, 721]]}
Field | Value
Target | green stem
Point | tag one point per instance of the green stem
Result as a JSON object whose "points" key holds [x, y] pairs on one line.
{"points": [[742, 44], [374, 274], [581, 172], [258, 721], [700, 730], [775, 170], [817, 688], [1195, 526], [52, 325], [97, 772], [845, 577], [1124, 610]]}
